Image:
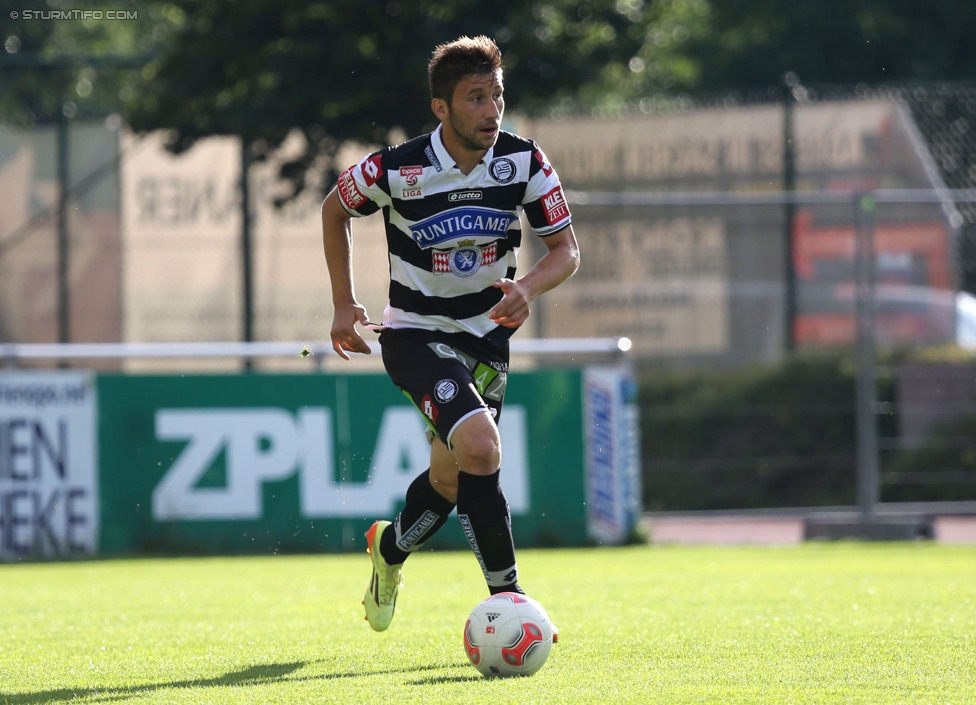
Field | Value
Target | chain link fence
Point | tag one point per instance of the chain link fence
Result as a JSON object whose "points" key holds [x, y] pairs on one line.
{"points": [[731, 238]]}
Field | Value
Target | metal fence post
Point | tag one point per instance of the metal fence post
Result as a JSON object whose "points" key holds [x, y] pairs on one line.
{"points": [[866, 404], [64, 189], [247, 249], [790, 83]]}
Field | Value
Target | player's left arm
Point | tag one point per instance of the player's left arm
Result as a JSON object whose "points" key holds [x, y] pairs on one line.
{"points": [[557, 265]]}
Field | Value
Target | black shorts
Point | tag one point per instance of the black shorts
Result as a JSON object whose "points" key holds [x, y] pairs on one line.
{"points": [[448, 376]]}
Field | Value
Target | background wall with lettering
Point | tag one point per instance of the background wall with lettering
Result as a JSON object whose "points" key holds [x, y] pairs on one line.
{"points": [[30, 232], [182, 228], [707, 278]]}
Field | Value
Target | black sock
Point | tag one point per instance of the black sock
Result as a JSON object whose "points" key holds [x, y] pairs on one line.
{"points": [[424, 512], [487, 523]]}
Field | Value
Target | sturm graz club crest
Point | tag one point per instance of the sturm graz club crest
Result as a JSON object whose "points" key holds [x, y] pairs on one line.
{"points": [[446, 390], [502, 170]]}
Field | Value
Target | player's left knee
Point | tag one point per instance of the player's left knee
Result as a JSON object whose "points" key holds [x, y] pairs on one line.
{"points": [[478, 453]]}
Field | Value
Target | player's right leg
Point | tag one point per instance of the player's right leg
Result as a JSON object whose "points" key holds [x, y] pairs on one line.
{"points": [[424, 512], [384, 582]]}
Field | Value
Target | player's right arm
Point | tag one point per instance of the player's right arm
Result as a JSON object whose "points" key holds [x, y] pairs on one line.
{"points": [[337, 241]]}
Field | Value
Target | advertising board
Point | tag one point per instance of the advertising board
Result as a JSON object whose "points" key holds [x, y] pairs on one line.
{"points": [[48, 478], [258, 463]]}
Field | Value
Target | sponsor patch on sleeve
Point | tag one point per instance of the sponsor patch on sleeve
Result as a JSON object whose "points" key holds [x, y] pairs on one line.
{"points": [[349, 193], [555, 206]]}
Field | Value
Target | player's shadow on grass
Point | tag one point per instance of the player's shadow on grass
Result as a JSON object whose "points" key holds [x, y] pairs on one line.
{"points": [[253, 675]]}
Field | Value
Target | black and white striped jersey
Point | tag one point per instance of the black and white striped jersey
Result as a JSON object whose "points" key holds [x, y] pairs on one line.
{"points": [[450, 236]]}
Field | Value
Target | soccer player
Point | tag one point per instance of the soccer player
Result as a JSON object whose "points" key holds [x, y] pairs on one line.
{"points": [[452, 201]]}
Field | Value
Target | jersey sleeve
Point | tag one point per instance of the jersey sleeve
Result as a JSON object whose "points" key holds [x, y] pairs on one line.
{"points": [[545, 203], [363, 188]]}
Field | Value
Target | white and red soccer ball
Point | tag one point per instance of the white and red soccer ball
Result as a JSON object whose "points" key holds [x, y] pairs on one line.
{"points": [[508, 634]]}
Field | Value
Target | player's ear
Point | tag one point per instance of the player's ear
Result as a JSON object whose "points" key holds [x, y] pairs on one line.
{"points": [[439, 106]]}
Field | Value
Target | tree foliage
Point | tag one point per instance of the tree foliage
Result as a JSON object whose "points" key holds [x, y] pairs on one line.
{"points": [[348, 70], [339, 70], [56, 60], [753, 43]]}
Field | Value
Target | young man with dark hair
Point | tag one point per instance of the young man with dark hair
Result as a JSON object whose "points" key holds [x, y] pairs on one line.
{"points": [[452, 202]]}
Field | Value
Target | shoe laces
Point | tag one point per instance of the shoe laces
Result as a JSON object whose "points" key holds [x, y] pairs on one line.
{"points": [[392, 583]]}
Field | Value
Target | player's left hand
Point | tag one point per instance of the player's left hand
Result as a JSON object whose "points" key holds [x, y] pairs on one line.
{"points": [[513, 310]]}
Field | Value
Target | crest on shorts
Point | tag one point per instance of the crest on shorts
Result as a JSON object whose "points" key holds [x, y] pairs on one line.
{"points": [[445, 390]]}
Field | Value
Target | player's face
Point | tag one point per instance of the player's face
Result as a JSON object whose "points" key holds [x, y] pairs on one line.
{"points": [[474, 115]]}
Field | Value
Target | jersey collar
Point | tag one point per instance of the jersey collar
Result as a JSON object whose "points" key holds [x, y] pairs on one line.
{"points": [[444, 157]]}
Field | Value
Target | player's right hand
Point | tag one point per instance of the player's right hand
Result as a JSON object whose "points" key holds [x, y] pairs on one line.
{"points": [[345, 337]]}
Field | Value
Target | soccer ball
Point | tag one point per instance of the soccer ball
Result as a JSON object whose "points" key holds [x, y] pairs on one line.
{"points": [[508, 634]]}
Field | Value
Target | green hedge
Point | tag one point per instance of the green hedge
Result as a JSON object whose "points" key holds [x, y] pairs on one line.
{"points": [[785, 436], [942, 469]]}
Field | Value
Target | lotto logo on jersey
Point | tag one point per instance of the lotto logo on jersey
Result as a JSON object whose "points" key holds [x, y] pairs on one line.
{"points": [[352, 198], [554, 204], [543, 162], [372, 170], [411, 182]]}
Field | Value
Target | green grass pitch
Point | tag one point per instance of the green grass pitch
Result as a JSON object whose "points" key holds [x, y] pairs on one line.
{"points": [[815, 623]]}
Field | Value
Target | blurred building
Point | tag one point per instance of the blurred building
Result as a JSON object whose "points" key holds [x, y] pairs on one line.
{"points": [[700, 270]]}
